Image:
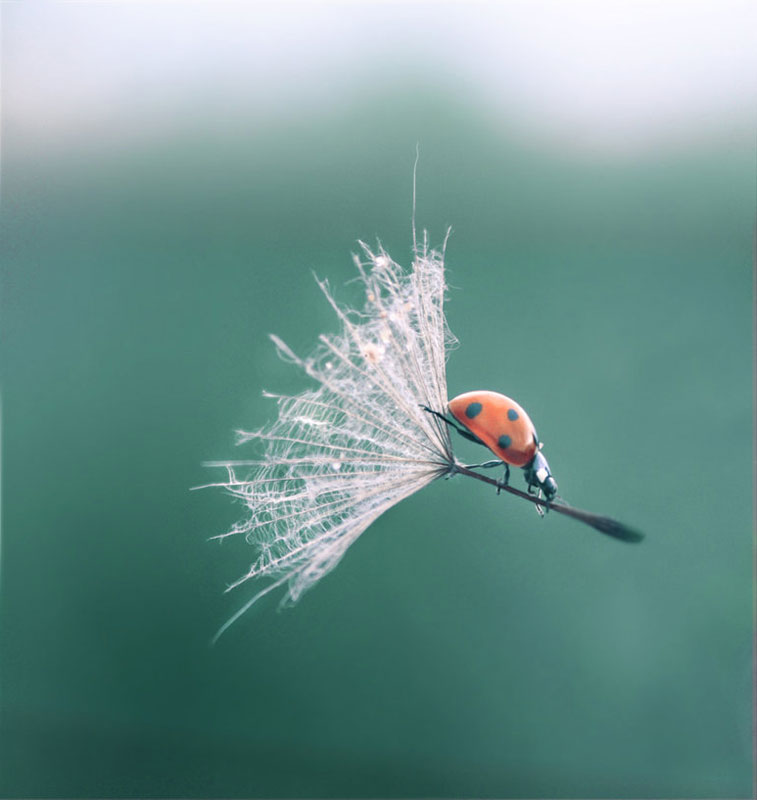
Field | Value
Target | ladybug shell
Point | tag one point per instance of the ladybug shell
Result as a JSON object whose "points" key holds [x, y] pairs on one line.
{"points": [[500, 423]]}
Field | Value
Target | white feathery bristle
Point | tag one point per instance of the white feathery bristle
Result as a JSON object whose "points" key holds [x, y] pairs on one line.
{"points": [[342, 453]]}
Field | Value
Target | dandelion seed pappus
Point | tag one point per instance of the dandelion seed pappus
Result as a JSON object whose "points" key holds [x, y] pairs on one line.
{"points": [[373, 431]]}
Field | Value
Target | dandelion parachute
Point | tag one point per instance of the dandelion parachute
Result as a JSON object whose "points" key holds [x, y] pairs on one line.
{"points": [[342, 453]]}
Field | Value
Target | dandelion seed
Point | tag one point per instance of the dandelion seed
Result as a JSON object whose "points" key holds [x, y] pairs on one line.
{"points": [[342, 453]]}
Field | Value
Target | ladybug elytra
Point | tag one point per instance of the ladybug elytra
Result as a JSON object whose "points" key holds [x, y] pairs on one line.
{"points": [[502, 425]]}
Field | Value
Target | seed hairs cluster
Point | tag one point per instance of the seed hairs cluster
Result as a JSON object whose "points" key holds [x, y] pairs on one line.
{"points": [[346, 450]]}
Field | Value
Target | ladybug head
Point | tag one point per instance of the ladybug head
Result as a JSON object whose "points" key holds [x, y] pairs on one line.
{"points": [[539, 474]]}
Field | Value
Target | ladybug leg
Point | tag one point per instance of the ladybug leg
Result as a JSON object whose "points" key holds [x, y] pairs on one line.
{"points": [[541, 510], [506, 479], [535, 490], [466, 434]]}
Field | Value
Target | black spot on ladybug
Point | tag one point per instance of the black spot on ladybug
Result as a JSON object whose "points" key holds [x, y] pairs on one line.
{"points": [[512, 415], [473, 410], [504, 442]]}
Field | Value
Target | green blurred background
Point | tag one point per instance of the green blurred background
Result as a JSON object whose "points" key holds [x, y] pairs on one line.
{"points": [[172, 176]]}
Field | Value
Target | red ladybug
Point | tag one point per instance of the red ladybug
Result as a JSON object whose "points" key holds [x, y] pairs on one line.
{"points": [[502, 425]]}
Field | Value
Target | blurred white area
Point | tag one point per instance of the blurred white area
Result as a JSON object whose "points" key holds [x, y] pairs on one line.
{"points": [[611, 75]]}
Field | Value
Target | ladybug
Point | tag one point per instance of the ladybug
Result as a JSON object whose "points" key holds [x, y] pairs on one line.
{"points": [[499, 423]]}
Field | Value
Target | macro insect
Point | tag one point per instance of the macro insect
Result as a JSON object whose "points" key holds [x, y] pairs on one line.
{"points": [[499, 423]]}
